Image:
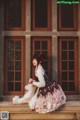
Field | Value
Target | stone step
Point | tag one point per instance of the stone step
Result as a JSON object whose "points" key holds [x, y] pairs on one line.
{"points": [[69, 98], [69, 111], [70, 106], [56, 116]]}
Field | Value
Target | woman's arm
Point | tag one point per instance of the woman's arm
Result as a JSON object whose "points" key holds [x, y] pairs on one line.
{"points": [[41, 79]]}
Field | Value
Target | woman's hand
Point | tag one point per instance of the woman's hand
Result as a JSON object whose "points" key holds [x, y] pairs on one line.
{"points": [[31, 81]]}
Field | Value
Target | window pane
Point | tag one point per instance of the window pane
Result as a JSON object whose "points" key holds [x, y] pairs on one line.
{"points": [[10, 45], [64, 76], [71, 76], [71, 86], [45, 55], [44, 45], [18, 76], [14, 12], [64, 45], [64, 55], [18, 65], [67, 18], [71, 55], [37, 52], [64, 65], [11, 65], [65, 86], [11, 56], [18, 86], [71, 45], [37, 45], [41, 13], [71, 65], [11, 76], [10, 86], [18, 55], [18, 45]]}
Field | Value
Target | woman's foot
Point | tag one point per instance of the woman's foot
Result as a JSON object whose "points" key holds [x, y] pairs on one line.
{"points": [[15, 99]]}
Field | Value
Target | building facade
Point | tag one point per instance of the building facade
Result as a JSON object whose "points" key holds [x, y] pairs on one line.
{"points": [[44, 27]]}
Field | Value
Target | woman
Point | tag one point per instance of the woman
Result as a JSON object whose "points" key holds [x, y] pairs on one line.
{"points": [[49, 96]]}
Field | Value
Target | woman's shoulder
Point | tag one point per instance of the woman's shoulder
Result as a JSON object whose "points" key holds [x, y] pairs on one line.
{"points": [[40, 69]]}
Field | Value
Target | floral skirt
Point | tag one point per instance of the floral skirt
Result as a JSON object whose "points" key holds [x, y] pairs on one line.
{"points": [[51, 101]]}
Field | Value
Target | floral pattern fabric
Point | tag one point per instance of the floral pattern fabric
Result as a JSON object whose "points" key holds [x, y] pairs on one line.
{"points": [[52, 101]]}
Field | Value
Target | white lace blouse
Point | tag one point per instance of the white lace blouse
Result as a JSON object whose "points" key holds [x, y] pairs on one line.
{"points": [[39, 73]]}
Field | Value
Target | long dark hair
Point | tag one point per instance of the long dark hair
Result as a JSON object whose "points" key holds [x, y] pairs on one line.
{"points": [[38, 57]]}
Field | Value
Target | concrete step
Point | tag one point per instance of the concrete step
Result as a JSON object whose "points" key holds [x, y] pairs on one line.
{"points": [[69, 111], [70, 106], [56, 116], [69, 98]]}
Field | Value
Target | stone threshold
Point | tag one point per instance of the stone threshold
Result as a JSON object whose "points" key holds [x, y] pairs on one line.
{"points": [[69, 111]]}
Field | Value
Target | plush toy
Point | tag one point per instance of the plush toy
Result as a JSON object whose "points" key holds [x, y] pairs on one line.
{"points": [[30, 91]]}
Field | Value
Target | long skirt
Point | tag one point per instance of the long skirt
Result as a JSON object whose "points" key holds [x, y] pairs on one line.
{"points": [[49, 102]]}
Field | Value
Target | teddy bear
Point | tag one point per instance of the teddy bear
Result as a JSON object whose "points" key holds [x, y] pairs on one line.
{"points": [[30, 91]]}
